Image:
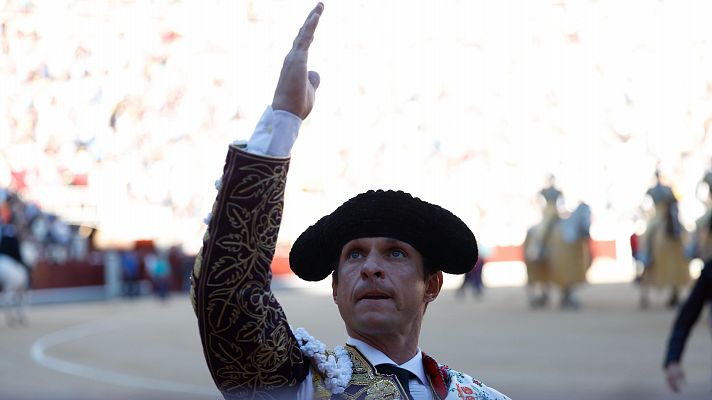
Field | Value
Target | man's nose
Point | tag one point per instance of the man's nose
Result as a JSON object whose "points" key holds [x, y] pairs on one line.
{"points": [[372, 267]]}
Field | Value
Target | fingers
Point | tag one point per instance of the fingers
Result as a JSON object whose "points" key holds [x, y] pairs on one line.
{"points": [[296, 86], [306, 33], [675, 377], [672, 384], [314, 79]]}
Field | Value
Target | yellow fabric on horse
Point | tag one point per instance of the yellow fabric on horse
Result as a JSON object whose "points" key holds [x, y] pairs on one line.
{"points": [[568, 262], [669, 266], [565, 263], [537, 270]]}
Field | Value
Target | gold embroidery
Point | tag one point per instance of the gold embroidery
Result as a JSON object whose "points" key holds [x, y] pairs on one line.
{"points": [[365, 382], [320, 391], [197, 264], [382, 389], [196, 274], [249, 346]]}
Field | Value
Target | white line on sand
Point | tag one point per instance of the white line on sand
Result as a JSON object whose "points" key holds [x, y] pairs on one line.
{"points": [[40, 347]]}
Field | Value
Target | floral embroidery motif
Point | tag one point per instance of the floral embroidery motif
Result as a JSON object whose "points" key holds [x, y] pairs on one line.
{"points": [[466, 388], [248, 344]]}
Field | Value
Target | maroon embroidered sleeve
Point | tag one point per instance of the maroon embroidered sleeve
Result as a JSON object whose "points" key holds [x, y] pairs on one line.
{"points": [[249, 347]]}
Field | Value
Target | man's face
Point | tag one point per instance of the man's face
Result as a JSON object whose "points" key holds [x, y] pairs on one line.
{"points": [[380, 288]]}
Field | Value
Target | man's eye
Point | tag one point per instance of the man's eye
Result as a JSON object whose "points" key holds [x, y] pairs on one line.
{"points": [[397, 253], [354, 254]]}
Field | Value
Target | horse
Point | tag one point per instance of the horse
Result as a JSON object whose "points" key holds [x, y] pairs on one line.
{"points": [[558, 253], [664, 258], [15, 280]]}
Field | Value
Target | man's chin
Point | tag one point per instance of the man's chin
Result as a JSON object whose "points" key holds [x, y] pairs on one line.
{"points": [[374, 322]]}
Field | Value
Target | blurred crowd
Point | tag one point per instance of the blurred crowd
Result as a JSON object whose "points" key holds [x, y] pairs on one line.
{"points": [[116, 113], [90, 117], [44, 237], [164, 270]]}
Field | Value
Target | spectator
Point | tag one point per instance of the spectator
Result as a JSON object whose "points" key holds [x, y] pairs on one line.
{"points": [[131, 276], [159, 270], [474, 279]]}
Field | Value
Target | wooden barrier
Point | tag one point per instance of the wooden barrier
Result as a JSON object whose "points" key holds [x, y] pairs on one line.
{"points": [[599, 248], [69, 274], [82, 273]]}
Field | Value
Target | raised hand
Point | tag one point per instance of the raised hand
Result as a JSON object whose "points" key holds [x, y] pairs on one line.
{"points": [[296, 86]]}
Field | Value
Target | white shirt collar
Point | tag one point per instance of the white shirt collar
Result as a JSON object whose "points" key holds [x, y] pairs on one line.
{"points": [[375, 357]]}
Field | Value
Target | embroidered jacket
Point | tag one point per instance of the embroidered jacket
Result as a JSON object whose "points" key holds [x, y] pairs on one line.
{"points": [[366, 383], [249, 347]]}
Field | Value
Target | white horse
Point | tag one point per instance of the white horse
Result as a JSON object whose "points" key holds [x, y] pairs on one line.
{"points": [[14, 279]]}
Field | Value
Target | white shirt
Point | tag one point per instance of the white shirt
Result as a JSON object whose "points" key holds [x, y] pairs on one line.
{"points": [[275, 133]]}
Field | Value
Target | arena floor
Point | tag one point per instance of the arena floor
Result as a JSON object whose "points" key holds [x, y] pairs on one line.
{"points": [[148, 350]]}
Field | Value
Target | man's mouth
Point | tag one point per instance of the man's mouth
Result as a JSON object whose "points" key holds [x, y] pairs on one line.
{"points": [[374, 296]]}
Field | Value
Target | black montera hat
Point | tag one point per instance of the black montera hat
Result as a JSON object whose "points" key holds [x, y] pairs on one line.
{"points": [[439, 235]]}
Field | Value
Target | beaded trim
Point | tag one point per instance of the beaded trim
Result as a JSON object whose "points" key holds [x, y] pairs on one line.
{"points": [[336, 365]]}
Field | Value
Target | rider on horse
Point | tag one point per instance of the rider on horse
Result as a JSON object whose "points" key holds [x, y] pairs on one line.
{"points": [[550, 216], [663, 256]]}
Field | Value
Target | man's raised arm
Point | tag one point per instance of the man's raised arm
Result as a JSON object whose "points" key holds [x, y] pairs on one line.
{"points": [[249, 347]]}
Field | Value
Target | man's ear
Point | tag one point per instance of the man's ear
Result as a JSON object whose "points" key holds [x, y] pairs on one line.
{"points": [[433, 284], [333, 287]]}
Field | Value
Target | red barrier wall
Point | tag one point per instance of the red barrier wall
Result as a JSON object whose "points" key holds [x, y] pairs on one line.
{"points": [[77, 273], [599, 248], [70, 274]]}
